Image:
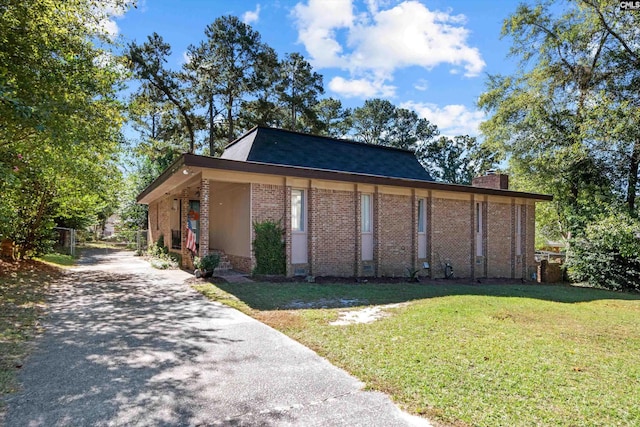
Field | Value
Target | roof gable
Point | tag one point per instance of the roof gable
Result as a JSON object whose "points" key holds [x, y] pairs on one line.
{"points": [[282, 147]]}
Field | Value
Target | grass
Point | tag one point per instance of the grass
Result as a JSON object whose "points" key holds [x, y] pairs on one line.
{"points": [[486, 355], [22, 300], [62, 260]]}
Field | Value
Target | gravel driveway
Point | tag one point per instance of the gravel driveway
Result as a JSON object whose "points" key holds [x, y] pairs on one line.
{"points": [[129, 345]]}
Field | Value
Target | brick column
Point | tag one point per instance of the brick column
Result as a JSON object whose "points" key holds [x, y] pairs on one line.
{"points": [[377, 253], [287, 227], [414, 230], [485, 236], [357, 195], [204, 218], [429, 231], [187, 262], [472, 254], [312, 245], [513, 256]]}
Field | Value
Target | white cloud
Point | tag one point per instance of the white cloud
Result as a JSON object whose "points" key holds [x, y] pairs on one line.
{"points": [[451, 120], [251, 16], [317, 22], [362, 88], [106, 12], [375, 43], [421, 85]]}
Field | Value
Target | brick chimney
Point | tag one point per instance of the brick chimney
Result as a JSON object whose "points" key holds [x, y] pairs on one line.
{"points": [[492, 180]]}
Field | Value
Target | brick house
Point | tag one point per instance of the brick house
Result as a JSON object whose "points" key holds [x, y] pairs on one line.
{"points": [[348, 208]]}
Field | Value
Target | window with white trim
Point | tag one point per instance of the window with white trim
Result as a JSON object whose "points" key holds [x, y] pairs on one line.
{"points": [[366, 213], [366, 226], [297, 210], [422, 228]]}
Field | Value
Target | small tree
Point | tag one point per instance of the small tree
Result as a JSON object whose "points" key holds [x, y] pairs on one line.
{"points": [[608, 255], [268, 248]]}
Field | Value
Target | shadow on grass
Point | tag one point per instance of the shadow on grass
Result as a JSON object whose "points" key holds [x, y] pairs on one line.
{"points": [[291, 296]]}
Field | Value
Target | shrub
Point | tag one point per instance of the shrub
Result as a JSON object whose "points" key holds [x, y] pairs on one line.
{"points": [[207, 263], [268, 248], [608, 254], [158, 249], [162, 258]]}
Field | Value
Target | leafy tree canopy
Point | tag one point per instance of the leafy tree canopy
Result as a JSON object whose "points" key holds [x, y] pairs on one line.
{"points": [[59, 118], [566, 121]]}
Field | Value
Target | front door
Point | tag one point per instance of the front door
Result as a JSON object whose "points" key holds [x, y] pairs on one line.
{"points": [[194, 219]]}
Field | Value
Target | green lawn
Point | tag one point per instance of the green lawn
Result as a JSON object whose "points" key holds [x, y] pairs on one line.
{"points": [[487, 355]]}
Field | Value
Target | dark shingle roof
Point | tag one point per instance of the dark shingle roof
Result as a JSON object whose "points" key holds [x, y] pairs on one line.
{"points": [[282, 147]]}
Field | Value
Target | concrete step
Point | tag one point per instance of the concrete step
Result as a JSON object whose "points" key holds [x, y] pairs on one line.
{"points": [[225, 264]]}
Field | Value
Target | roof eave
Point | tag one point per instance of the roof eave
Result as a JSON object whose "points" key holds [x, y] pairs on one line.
{"points": [[175, 166], [330, 175]]}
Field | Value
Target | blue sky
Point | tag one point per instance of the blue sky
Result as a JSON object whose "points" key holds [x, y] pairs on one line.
{"points": [[432, 56]]}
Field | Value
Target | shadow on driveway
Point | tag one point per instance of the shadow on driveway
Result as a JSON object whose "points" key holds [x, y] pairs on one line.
{"points": [[129, 345]]}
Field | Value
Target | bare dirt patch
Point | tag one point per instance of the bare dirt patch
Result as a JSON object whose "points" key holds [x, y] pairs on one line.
{"points": [[365, 315]]}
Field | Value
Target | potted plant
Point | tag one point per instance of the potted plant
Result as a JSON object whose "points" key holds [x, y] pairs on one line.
{"points": [[206, 265]]}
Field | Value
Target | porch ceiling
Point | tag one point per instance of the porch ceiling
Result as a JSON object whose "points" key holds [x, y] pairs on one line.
{"points": [[171, 183]]}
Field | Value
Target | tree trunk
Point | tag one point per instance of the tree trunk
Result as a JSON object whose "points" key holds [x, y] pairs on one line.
{"points": [[29, 240], [230, 118], [212, 142], [633, 177]]}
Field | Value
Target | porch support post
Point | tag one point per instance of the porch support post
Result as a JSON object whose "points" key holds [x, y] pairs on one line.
{"points": [[204, 217], [287, 227], [187, 262], [414, 229]]}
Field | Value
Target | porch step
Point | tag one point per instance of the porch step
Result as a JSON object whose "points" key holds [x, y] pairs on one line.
{"points": [[225, 264]]}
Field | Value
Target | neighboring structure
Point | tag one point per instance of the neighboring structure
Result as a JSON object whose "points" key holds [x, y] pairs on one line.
{"points": [[349, 209]]}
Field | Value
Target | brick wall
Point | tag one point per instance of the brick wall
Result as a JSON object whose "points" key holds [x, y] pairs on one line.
{"points": [[152, 223], [499, 241], [267, 203], [240, 263], [395, 234], [332, 232], [204, 218], [333, 225], [160, 221], [529, 265], [451, 231]]}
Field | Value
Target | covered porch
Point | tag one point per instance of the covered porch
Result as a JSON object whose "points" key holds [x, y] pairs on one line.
{"points": [[216, 210]]}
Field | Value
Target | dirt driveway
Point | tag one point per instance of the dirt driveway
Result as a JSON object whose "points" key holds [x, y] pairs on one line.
{"points": [[129, 345]]}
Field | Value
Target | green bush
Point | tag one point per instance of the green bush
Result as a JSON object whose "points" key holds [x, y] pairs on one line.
{"points": [[162, 258], [268, 248], [207, 263], [158, 249], [608, 254]]}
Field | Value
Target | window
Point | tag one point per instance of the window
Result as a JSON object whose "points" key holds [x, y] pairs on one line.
{"points": [[366, 227], [297, 210], [421, 216], [366, 213], [422, 228]]}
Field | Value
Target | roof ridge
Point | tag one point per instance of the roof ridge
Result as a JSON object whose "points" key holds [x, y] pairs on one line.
{"points": [[331, 138]]}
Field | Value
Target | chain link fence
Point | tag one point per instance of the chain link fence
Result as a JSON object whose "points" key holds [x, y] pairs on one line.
{"points": [[142, 240], [65, 240]]}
